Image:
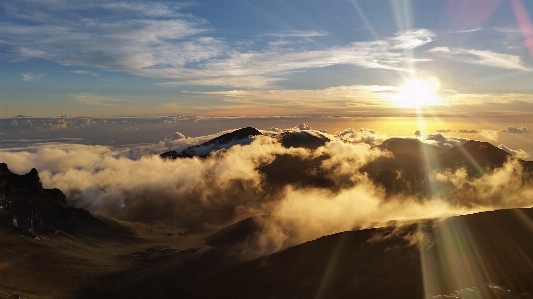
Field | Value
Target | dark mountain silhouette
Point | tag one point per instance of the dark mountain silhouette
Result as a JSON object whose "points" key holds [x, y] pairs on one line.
{"points": [[388, 262], [288, 139], [303, 139], [29, 209], [224, 141], [411, 146], [408, 169], [476, 156]]}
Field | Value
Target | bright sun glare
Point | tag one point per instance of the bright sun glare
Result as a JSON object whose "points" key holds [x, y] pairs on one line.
{"points": [[418, 92]]}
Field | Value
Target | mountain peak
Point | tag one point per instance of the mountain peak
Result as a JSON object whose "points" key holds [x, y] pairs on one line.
{"points": [[29, 209], [224, 141]]}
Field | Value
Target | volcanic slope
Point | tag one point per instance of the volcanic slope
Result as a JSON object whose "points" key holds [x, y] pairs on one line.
{"points": [[404, 260]]}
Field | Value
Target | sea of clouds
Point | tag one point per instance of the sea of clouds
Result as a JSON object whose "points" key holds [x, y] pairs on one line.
{"points": [[133, 183]]}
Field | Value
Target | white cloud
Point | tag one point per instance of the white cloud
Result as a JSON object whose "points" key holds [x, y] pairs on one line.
{"points": [[157, 40], [30, 53], [442, 141], [302, 127], [298, 33], [483, 57], [363, 135], [519, 153], [490, 134], [412, 39], [178, 136], [31, 76]]}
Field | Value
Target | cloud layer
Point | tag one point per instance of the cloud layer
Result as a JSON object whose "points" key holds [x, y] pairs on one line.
{"points": [[234, 184]]}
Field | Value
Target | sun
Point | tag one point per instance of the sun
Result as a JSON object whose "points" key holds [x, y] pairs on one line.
{"points": [[418, 93]]}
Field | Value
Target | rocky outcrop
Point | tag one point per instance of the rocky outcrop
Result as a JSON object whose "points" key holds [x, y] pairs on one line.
{"points": [[31, 210]]}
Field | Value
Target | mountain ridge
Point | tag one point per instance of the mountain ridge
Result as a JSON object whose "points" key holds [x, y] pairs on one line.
{"points": [[29, 209]]}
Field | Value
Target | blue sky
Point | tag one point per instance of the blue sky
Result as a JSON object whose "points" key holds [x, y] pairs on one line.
{"points": [[222, 58]]}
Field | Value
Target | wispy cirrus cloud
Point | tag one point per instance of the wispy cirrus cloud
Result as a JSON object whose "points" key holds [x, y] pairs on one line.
{"points": [[298, 33], [32, 76], [92, 99], [265, 67], [482, 57], [158, 40]]}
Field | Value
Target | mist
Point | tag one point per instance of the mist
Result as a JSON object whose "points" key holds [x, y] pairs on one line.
{"points": [[234, 183]]}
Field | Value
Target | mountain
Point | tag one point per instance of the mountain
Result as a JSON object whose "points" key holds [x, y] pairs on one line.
{"points": [[489, 254], [408, 169], [243, 136], [406, 261], [411, 146], [304, 139], [29, 209], [476, 156], [240, 136], [236, 234]]}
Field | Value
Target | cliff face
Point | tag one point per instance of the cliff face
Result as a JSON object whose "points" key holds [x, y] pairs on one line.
{"points": [[31, 210]]}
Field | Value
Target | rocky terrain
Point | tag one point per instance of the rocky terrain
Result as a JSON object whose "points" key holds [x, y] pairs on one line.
{"points": [[29, 209]]}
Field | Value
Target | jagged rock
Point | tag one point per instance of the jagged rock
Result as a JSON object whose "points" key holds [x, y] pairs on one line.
{"points": [[29, 209]]}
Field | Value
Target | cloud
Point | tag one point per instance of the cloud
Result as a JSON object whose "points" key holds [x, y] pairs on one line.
{"points": [[363, 135], [444, 131], [490, 134], [522, 129], [298, 33], [92, 99], [33, 123], [83, 72], [30, 53], [442, 141], [338, 99], [520, 153], [230, 185], [496, 189], [468, 131], [302, 127], [482, 57], [157, 40], [178, 136], [31, 76]]}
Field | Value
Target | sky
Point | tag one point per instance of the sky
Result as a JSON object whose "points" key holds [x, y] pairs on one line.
{"points": [[380, 58]]}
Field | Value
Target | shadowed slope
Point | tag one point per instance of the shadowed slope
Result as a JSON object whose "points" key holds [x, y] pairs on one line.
{"points": [[496, 247]]}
